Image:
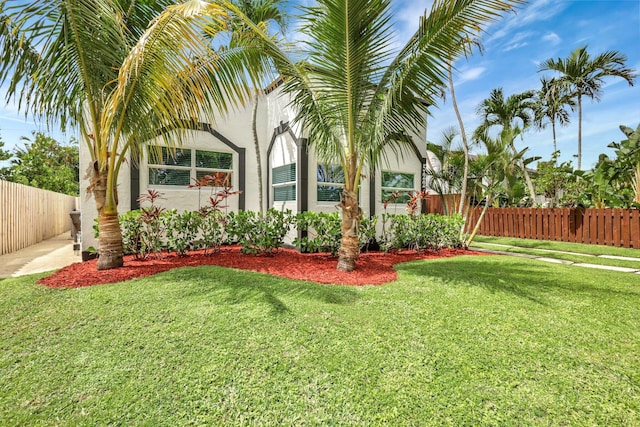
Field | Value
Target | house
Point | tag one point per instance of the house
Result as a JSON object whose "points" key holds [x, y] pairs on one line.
{"points": [[292, 176]]}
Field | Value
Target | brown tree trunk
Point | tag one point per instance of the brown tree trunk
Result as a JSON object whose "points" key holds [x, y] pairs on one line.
{"points": [[110, 249], [256, 142], [350, 243], [110, 236]]}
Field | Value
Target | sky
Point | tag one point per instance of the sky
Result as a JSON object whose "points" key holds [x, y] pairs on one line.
{"points": [[513, 48]]}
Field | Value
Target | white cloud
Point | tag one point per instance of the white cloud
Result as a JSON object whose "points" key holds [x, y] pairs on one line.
{"points": [[471, 74], [540, 10], [514, 46], [552, 38]]}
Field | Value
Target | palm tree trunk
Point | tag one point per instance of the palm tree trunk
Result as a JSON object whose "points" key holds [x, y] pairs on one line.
{"points": [[527, 178], [579, 131], [110, 251], [555, 144], [477, 225], [350, 244], [256, 142], [110, 236], [465, 147]]}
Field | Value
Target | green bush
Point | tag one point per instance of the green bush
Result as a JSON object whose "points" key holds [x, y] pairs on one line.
{"points": [[181, 230], [420, 232], [259, 233], [213, 232], [323, 232]]}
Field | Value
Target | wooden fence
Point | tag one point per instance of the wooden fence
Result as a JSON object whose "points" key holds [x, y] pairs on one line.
{"points": [[30, 215], [613, 227]]}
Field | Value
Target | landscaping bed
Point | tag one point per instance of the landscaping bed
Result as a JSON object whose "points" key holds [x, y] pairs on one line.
{"points": [[373, 268]]}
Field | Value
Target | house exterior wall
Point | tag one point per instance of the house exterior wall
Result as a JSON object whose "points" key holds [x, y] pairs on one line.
{"points": [[281, 142]]}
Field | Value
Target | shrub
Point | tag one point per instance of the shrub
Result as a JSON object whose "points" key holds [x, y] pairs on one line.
{"points": [[181, 230], [213, 232], [420, 232], [323, 232], [259, 233]]}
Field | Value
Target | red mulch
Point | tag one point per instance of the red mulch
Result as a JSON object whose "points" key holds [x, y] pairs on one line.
{"points": [[372, 268]]}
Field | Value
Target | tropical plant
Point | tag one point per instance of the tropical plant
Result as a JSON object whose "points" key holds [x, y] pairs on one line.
{"points": [[446, 177], [552, 178], [495, 174], [551, 101], [513, 116], [356, 96], [119, 72], [628, 160], [584, 76]]}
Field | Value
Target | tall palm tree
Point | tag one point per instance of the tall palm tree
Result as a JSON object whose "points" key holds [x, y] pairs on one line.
{"points": [[584, 76], [263, 13], [513, 116], [552, 100], [356, 95], [121, 76]]}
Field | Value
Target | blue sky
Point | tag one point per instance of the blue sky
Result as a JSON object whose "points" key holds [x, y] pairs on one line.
{"points": [[513, 48]]}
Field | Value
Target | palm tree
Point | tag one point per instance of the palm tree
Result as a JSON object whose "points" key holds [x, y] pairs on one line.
{"points": [[356, 95], [121, 76], [513, 116], [551, 101], [463, 206], [496, 171], [584, 76], [447, 176], [262, 13]]}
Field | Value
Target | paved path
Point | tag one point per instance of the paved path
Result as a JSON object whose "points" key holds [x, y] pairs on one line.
{"points": [[561, 261], [48, 255]]}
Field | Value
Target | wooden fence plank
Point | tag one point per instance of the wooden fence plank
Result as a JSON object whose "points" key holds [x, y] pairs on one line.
{"points": [[29, 215], [615, 227]]}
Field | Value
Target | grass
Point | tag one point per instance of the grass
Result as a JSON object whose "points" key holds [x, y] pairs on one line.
{"points": [[581, 253], [464, 341]]}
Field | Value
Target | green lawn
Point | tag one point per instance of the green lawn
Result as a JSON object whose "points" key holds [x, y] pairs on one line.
{"points": [[492, 340]]}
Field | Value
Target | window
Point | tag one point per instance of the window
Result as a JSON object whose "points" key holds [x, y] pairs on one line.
{"points": [[284, 182], [180, 167], [399, 182], [330, 183]]}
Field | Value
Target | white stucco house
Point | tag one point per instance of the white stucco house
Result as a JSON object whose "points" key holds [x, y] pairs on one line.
{"points": [[292, 177]]}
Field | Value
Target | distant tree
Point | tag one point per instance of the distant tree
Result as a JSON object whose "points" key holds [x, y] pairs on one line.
{"points": [[45, 163], [627, 163], [513, 115], [4, 155], [584, 76], [552, 100], [552, 178]]}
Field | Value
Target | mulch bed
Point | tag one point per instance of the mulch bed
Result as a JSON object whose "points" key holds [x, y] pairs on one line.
{"points": [[372, 268]]}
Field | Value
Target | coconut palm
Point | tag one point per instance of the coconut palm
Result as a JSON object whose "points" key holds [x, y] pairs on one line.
{"points": [[552, 100], [121, 76], [513, 116], [356, 95], [584, 76]]}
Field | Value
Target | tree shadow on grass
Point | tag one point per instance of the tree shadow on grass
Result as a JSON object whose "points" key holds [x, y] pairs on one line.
{"points": [[533, 280], [237, 287]]}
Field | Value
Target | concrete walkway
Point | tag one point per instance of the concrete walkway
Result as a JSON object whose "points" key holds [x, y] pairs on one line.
{"points": [[561, 261], [48, 255]]}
